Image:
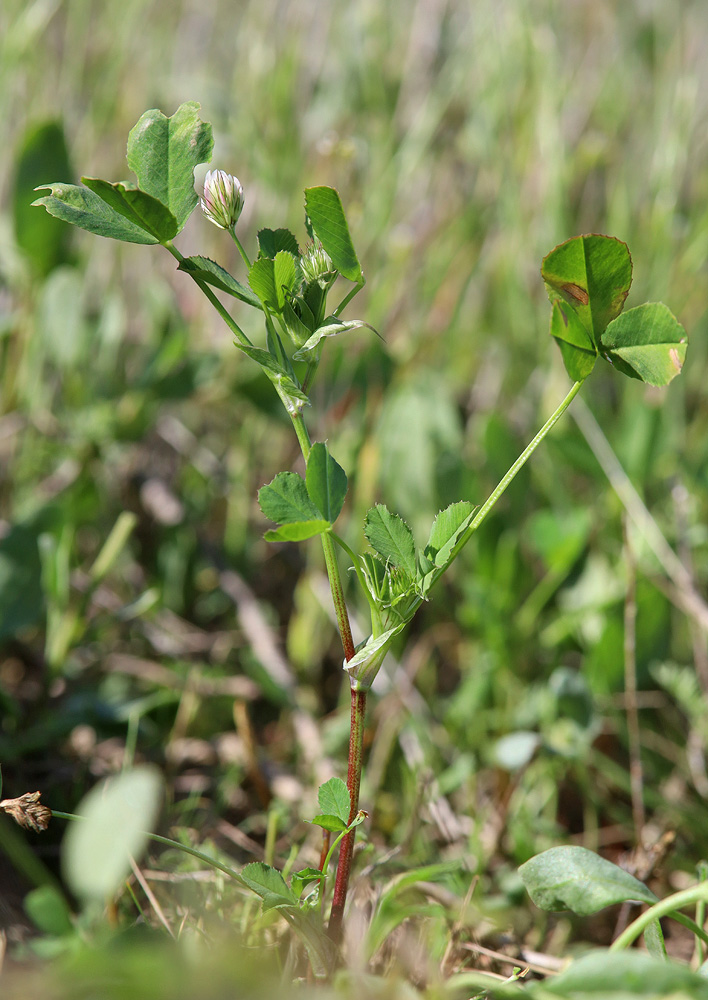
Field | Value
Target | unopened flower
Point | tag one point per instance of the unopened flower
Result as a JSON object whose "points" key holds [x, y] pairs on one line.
{"points": [[223, 198], [28, 811], [316, 265]]}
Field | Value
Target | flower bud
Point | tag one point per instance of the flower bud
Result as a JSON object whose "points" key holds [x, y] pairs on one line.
{"points": [[316, 265], [223, 198]]}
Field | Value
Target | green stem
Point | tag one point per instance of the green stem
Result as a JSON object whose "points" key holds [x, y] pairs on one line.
{"points": [[665, 908], [212, 862], [335, 580], [340, 607], [331, 851], [310, 375], [303, 437], [349, 296], [222, 311], [518, 464], [243, 253]]}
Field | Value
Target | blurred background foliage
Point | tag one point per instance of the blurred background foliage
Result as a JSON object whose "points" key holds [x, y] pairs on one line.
{"points": [[466, 140]]}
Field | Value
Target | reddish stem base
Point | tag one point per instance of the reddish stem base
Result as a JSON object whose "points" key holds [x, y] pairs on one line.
{"points": [[356, 744]]}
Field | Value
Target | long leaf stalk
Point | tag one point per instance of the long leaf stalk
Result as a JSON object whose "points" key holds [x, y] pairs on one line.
{"points": [[667, 907], [167, 842], [518, 465]]}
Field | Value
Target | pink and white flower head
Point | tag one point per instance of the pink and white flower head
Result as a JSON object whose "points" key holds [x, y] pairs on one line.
{"points": [[223, 198]]}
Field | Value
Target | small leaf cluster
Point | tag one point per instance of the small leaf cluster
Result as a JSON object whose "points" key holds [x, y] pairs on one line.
{"points": [[588, 280], [305, 507], [162, 152], [289, 285], [296, 902]]}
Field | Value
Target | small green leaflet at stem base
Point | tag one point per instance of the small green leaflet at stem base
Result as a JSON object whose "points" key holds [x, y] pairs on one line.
{"points": [[324, 209], [573, 878], [269, 884], [328, 822], [391, 537], [163, 153], [326, 482], [285, 500], [334, 798]]}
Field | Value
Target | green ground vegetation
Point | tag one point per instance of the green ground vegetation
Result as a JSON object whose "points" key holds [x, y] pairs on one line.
{"points": [[553, 690]]}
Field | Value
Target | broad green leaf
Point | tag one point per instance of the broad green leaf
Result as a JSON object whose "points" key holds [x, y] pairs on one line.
{"points": [[446, 530], [285, 500], [136, 206], [118, 813], [163, 153], [297, 531], [391, 537], [577, 349], [331, 327], [213, 274], [272, 241], [269, 884], [625, 974], [326, 482], [48, 911], [43, 153], [334, 798], [592, 275], [84, 209], [328, 822], [647, 343], [573, 878], [275, 281], [324, 209]]}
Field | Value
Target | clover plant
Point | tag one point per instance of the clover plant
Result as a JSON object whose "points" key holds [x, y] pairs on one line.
{"points": [[290, 280]]}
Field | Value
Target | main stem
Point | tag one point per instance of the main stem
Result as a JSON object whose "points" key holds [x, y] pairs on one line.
{"points": [[358, 710], [356, 745], [335, 580], [358, 703]]}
